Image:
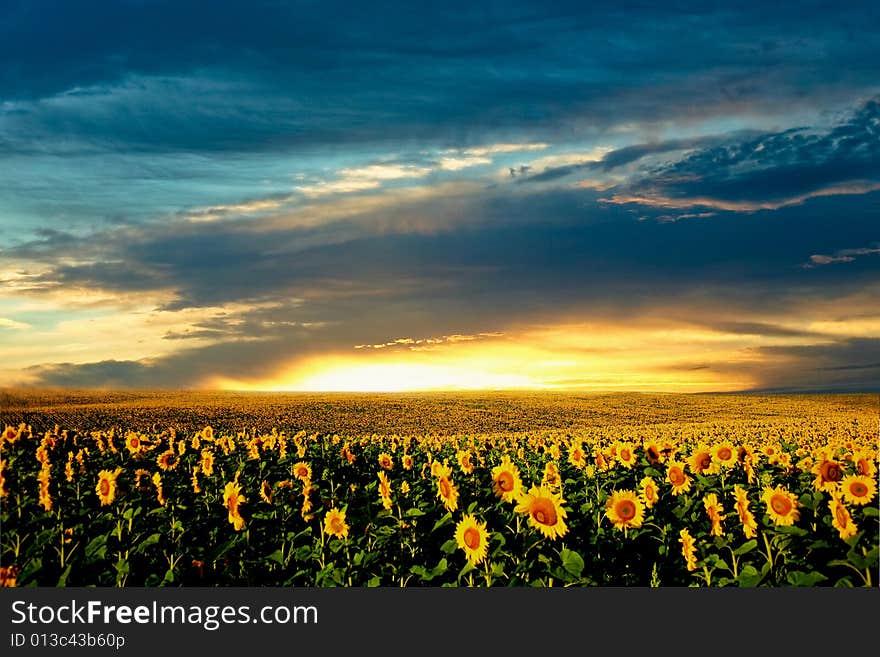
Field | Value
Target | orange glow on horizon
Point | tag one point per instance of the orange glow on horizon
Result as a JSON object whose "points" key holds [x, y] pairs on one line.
{"points": [[575, 357]]}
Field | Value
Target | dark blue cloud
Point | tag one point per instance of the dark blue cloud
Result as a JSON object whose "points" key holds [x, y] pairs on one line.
{"points": [[269, 76], [776, 167]]}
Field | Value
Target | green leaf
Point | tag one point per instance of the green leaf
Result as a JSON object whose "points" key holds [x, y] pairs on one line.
{"points": [[807, 501], [572, 562], [746, 547], [374, 581], [792, 530], [62, 581], [277, 556], [415, 513], [748, 576], [97, 548], [445, 520], [468, 568], [800, 578], [169, 578], [871, 511], [152, 539], [449, 546]]}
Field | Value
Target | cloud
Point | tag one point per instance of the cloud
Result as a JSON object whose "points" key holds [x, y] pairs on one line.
{"points": [[420, 344], [842, 255], [767, 171], [280, 79], [6, 323]]}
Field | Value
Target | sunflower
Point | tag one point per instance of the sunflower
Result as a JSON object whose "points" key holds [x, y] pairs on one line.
{"points": [[545, 511], [384, 490], [865, 462], [232, 500], [828, 473], [688, 549], [626, 454], [266, 492], [653, 451], [576, 456], [334, 523], [448, 492], [506, 483], [841, 519], [157, 482], [207, 462], [715, 512], [302, 471], [404, 488], [385, 461], [648, 494], [624, 509], [208, 434], [307, 502], [551, 477], [464, 461], [168, 460], [133, 443], [8, 576], [782, 506], [10, 435], [746, 517], [677, 477], [858, 489], [3, 491], [472, 537], [106, 487], [440, 469], [407, 462], [725, 455], [700, 461], [603, 463], [44, 477]]}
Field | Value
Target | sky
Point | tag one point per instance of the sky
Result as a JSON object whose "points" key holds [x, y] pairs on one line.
{"points": [[394, 196]]}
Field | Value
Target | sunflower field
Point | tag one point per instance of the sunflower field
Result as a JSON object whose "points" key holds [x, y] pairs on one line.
{"points": [[707, 504]]}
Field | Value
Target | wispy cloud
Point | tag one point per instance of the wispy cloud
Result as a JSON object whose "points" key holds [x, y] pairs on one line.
{"points": [[842, 255]]}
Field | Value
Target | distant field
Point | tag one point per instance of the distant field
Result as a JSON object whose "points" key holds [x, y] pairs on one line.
{"points": [[440, 413]]}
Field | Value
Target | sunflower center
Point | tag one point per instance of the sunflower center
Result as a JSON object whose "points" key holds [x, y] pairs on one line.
{"points": [[444, 487], [676, 476], [544, 512], [858, 489], [841, 515], [780, 505], [336, 525], [650, 493], [705, 461], [831, 472], [724, 454], [505, 482], [105, 487], [625, 455], [626, 510], [472, 538]]}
